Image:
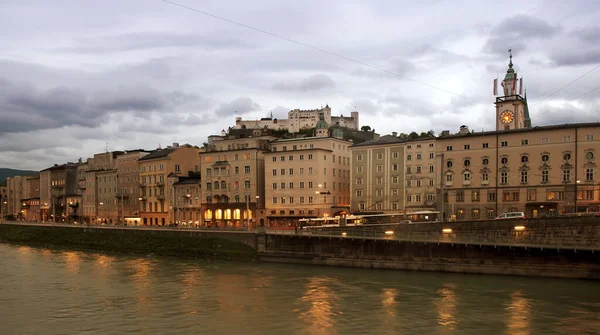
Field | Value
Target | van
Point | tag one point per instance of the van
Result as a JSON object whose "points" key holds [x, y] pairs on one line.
{"points": [[511, 215]]}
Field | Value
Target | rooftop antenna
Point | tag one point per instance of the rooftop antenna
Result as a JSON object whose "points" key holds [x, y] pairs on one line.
{"points": [[106, 147]]}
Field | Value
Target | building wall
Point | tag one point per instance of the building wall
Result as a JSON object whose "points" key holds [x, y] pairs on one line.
{"points": [[154, 190], [45, 195], [107, 204], [129, 181], [294, 169], [238, 165], [421, 181], [538, 156], [186, 203], [3, 201], [15, 194], [31, 198], [378, 178]]}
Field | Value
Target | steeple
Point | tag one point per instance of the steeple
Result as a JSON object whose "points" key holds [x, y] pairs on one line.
{"points": [[509, 83]]}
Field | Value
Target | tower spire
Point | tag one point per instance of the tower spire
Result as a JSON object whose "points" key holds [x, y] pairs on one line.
{"points": [[510, 64]]}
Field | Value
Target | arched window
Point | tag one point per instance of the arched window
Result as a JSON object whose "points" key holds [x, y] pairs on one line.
{"points": [[219, 214], [236, 214], [216, 185], [208, 214], [227, 214], [223, 185]]}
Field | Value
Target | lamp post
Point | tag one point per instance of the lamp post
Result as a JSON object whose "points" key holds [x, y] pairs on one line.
{"points": [[101, 206], [576, 195], [324, 193]]}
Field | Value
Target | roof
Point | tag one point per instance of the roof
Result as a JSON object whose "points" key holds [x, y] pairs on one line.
{"points": [[385, 139], [61, 167], [160, 153], [322, 124], [283, 140], [523, 130], [187, 181]]}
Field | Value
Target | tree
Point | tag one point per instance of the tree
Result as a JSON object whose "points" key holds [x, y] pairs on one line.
{"points": [[365, 128]]}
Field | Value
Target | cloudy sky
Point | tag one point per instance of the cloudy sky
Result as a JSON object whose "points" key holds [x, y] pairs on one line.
{"points": [[76, 76]]}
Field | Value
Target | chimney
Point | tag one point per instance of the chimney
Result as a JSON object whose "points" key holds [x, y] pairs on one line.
{"points": [[445, 132], [463, 130], [395, 134], [175, 145]]}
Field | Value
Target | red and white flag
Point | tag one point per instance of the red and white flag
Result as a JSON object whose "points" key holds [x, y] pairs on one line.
{"points": [[521, 86], [495, 86]]}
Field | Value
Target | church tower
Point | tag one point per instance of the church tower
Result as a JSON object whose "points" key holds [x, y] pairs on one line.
{"points": [[512, 111]]}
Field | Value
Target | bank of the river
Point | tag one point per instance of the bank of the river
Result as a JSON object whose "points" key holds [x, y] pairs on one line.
{"points": [[115, 241]]}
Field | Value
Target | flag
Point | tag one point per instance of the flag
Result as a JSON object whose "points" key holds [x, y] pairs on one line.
{"points": [[496, 86], [521, 86], [514, 86], [502, 83]]}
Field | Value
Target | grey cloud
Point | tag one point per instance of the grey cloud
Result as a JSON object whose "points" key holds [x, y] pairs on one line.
{"points": [[570, 57], [567, 113], [239, 106], [589, 34], [515, 31], [24, 107], [312, 83], [151, 40]]}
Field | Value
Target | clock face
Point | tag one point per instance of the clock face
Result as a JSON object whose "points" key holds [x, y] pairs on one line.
{"points": [[507, 117]]}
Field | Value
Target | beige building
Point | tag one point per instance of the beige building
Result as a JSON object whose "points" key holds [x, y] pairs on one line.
{"points": [[186, 199], [3, 201], [232, 191], [544, 170], [377, 175], [30, 202], [154, 168], [107, 203], [307, 177], [58, 187], [128, 185], [45, 195], [15, 190]]}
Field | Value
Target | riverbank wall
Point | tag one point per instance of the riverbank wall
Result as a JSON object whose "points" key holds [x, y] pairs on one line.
{"points": [[563, 247], [173, 242]]}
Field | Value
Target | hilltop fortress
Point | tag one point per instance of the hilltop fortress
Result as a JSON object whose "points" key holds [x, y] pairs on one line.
{"points": [[300, 119]]}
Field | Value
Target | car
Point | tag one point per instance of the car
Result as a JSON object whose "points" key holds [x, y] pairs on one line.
{"points": [[511, 215]]}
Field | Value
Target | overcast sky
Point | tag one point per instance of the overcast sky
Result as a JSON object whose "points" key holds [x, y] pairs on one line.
{"points": [[76, 75]]}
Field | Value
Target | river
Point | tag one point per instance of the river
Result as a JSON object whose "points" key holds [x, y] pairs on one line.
{"points": [[44, 291]]}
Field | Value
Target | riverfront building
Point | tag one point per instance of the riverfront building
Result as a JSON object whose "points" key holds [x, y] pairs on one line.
{"points": [[307, 177], [542, 170], [128, 182], [233, 180], [186, 199], [154, 168]]}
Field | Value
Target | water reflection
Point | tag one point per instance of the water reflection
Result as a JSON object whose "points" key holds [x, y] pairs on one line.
{"points": [[320, 309], [519, 314], [388, 300], [446, 306], [72, 261], [102, 263], [191, 282], [140, 279]]}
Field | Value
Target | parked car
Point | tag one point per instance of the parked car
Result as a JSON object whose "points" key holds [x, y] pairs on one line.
{"points": [[511, 215]]}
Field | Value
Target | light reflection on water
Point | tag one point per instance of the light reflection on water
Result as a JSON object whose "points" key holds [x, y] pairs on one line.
{"points": [[57, 292]]}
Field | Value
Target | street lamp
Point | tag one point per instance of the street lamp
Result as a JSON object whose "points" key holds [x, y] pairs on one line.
{"points": [[576, 195], [101, 205]]}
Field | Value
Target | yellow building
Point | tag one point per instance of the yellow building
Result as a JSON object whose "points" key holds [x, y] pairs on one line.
{"points": [[540, 171], [154, 168], [307, 177], [186, 199]]}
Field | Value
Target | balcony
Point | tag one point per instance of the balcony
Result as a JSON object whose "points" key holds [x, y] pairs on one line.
{"points": [[58, 186], [160, 183], [466, 182], [160, 197]]}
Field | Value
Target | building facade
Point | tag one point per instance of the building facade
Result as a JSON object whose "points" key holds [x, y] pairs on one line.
{"points": [[107, 201], [63, 188], [299, 119], [541, 171], [3, 201], [186, 200], [30, 203], [154, 168], [232, 191], [306, 178], [14, 187], [128, 185]]}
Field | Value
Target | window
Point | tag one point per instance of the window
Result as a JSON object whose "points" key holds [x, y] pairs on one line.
{"points": [[283, 200], [467, 162], [419, 156], [359, 181], [524, 142], [301, 200], [379, 168], [409, 169], [460, 196], [359, 169], [460, 213], [409, 183], [524, 177], [310, 184], [394, 205], [310, 156], [431, 182], [491, 196], [545, 176], [524, 159], [418, 197], [475, 195], [467, 177], [301, 157], [409, 157], [282, 158], [449, 164], [431, 168], [282, 172], [310, 170], [274, 172], [247, 169], [504, 160], [475, 213], [419, 169], [431, 155], [291, 172], [531, 195], [395, 167], [359, 193], [246, 183], [208, 172], [467, 146], [419, 183], [545, 140], [485, 177], [567, 139], [290, 158], [486, 145], [504, 177], [589, 174], [589, 137], [359, 157], [545, 158], [589, 155], [236, 170], [566, 175], [311, 200], [567, 156], [379, 155], [395, 154], [409, 198], [274, 200], [504, 143], [282, 186], [379, 180], [177, 168], [394, 179], [449, 148], [449, 178]]}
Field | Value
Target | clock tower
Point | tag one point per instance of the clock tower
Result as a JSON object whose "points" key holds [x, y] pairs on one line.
{"points": [[512, 111]]}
